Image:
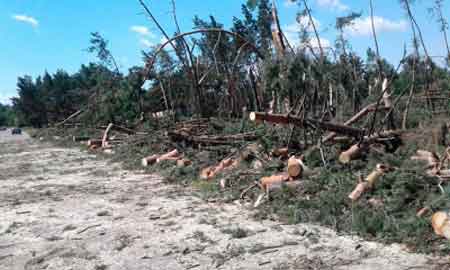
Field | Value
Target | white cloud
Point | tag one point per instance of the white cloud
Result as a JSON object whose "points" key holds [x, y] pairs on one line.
{"points": [[26, 19], [302, 23], [147, 43], [323, 41], [292, 33], [5, 99], [333, 4], [289, 3], [363, 26], [142, 30]]}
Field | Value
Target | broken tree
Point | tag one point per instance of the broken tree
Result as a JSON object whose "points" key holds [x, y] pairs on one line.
{"points": [[260, 117]]}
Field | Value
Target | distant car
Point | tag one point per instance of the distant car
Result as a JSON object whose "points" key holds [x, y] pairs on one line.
{"points": [[3, 128], [16, 131]]}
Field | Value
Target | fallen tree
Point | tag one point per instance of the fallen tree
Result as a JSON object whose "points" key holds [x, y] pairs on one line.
{"points": [[184, 135], [260, 117], [361, 114]]}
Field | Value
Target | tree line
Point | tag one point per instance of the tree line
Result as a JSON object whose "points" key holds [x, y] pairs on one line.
{"points": [[225, 73]]}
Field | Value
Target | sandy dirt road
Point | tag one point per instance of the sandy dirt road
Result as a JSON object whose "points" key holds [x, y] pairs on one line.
{"points": [[66, 209]]}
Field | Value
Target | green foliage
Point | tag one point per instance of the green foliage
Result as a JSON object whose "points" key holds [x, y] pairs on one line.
{"points": [[7, 116]]}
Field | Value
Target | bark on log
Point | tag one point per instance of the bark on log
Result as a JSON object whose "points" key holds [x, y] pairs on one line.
{"points": [[272, 180], [281, 152], [211, 172], [150, 160], [172, 155], [285, 119], [422, 212], [352, 153], [291, 185], [95, 142], [358, 191], [365, 111], [70, 117], [94, 147], [184, 135], [369, 182]]}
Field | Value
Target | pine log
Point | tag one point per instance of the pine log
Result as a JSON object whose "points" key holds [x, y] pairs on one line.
{"points": [[352, 153], [124, 130], [274, 179], [441, 224], [95, 142], [358, 191], [280, 152], [422, 212], [172, 155], [365, 111], [369, 182], [278, 186], [150, 160], [183, 135], [93, 147], [211, 172], [295, 167], [75, 114], [301, 122]]}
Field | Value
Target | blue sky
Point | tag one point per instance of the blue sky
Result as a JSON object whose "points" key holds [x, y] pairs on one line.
{"points": [[39, 35]]}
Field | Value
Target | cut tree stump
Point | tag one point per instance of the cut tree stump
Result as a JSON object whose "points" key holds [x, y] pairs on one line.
{"points": [[441, 224], [295, 167]]}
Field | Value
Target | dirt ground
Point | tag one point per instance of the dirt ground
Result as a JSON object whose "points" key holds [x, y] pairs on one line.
{"points": [[66, 209]]}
